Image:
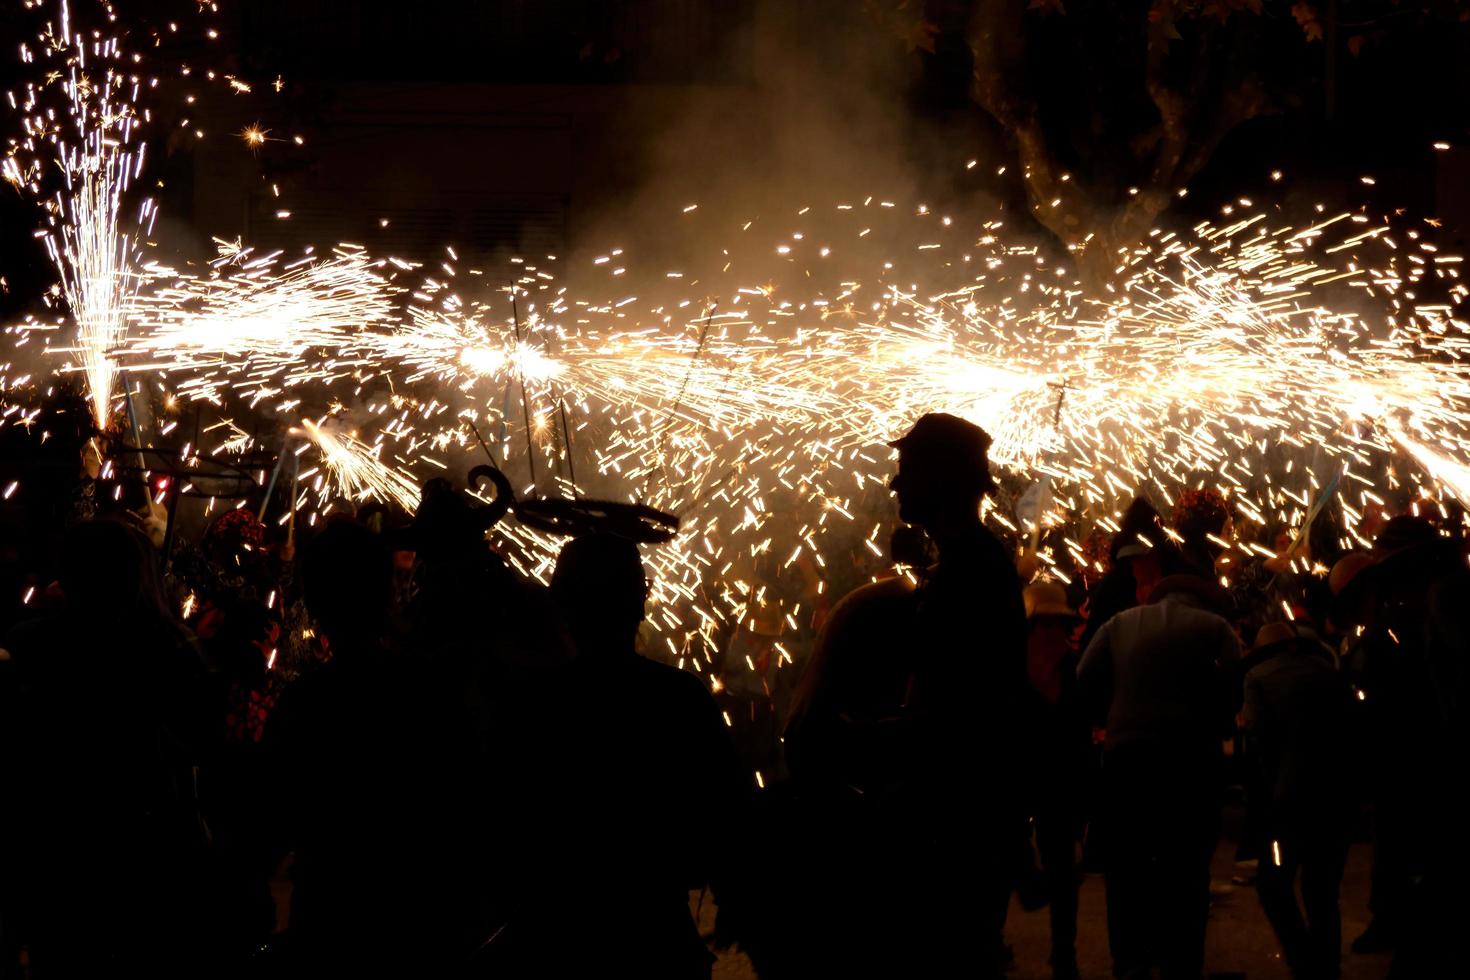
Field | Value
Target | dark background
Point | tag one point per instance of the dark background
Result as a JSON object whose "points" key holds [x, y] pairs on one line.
{"points": [[557, 126]]}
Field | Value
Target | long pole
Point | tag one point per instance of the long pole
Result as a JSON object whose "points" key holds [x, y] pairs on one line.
{"points": [[521, 377], [133, 418], [270, 486], [566, 440], [679, 399], [291, 521], [173, 519], [481, 440], [1043, 496]]}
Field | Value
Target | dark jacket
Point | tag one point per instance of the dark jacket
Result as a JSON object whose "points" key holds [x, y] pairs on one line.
{"points": [[371, 787], [1298, 727], [1164, 672], [649, 801], [103, 718]]}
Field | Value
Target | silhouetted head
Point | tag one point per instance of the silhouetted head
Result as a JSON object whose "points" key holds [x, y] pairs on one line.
{"points": [[943, 470], [446, 526], [235, 535], [1406, 537], [1140, 521], [600, 589], [1272, 638], [1408, 553], [347, 581], [1201, 516], [108, 569]]}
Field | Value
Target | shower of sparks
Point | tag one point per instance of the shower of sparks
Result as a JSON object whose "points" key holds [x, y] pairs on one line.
{"points": [[357, 470], [82, 121], [250, 322], [1255, 357]]}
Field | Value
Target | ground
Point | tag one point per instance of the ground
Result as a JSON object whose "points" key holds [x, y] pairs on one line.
{"points": [[1240, 941]]}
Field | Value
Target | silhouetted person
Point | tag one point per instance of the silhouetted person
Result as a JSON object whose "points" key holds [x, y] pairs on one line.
{"points": [[1139, 552], [1162, 677], [101, 707], [1414, 650], [1298, 731], [369, 788], [238, 637], [496, 659], [908, 739], [1391, 594], [1063, 758], [853, 683], [969, 701], [1440, 905], [654, 790], [847, 749]]}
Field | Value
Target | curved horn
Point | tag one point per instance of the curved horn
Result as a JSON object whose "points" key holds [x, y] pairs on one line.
{"points": [[505, 495]]}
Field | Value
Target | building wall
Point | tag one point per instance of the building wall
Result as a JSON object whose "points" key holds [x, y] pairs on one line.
{"points": [[500, 126]]}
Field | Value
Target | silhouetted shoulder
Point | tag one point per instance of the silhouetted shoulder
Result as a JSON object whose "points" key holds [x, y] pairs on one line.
{"points": [[873, 598], [672, 682]]}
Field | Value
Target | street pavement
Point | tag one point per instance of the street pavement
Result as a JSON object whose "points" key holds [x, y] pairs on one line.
{"points": [[1240, 946]]}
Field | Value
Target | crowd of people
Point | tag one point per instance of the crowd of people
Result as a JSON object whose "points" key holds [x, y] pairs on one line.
{"points": [[469, 774]]}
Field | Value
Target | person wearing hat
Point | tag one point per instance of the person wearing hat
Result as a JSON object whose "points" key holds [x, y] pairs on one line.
{"points": [[969, 702], [1063, 760], [1299, 732], [942, 676], [1161, 679]]}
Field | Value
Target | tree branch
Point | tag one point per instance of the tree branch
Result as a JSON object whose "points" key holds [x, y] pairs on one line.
{"points": [[996, 35]]}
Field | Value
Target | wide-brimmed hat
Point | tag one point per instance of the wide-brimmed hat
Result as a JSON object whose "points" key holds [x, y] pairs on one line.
{"points": [[961, 446], [1348, 583], [446, 523], [1278, 637], [1047, 599], [945, 434]]}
